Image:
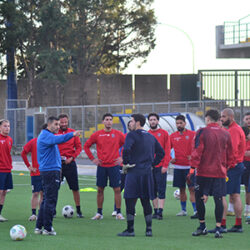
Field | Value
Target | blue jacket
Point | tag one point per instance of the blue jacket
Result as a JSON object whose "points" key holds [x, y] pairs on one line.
{"points": [[48, 154]]}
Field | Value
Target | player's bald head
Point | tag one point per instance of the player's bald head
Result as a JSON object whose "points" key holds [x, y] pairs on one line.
{"points": [[228, 112], [227, 117]]}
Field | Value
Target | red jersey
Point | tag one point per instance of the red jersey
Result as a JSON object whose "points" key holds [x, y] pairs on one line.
{"points": [[163, 138], [5, 156], [107, 146], [31, 147], [247, 158], [238, 142], [182, 142], [212, 152], [71, 148]]}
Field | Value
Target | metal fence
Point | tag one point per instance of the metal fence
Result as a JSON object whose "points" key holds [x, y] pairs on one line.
{"points": [[89, 118]]}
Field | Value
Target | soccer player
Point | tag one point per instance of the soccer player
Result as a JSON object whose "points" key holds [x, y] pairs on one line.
{"points": [[181, 142], [141, 152], [211, 155], [36, 180], [5, 163], [108, 142], [69, 151], [234, 174], [159, 171], [246, 174], [49, 161]]}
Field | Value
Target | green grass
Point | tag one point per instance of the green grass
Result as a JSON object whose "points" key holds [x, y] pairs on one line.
{"points": [[170, 233]]}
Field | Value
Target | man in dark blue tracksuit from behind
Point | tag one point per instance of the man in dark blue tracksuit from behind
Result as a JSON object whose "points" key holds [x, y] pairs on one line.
{"points": [[49, 160], [141, 152]]}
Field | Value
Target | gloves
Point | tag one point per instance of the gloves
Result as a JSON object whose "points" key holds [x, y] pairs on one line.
{"points": [[126, 167], [189, 176]]}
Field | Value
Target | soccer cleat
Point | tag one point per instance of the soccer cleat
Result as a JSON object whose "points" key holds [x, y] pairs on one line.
{"points": [[52, 232], [119, 216], [182, 213], [155, 216], [79, 215], [2, 219], [160, 217], [126, 233], [114, 213], [230, 213], [149, 233], [218, 234], [38, 231], [235, 229], [200, 231], [222, 230], [194, 216], [97, 217], [32, 217]]}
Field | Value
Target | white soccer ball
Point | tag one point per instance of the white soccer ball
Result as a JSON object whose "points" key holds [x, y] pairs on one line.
{"points": [[177, 194], [18, 232], [68, 211]]}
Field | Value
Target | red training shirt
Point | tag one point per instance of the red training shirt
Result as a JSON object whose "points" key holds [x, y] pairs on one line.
{"points": [[182, 142], [247, 149], [212, 152], [107, 146], [71, 148], [163, 138], [31, 147], [238, 141], [5, 156]]}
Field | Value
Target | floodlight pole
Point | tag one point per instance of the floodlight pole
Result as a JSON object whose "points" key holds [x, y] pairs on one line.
{"points": [[188, 37]]}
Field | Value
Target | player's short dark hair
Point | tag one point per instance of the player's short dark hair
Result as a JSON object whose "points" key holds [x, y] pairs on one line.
{"points": [[246, 130], [63, 116], [52, 118], [213, 114], [139, 118], [247, 113], [107, 115], [154, 114], [4, 120], [128, 123], [44, 126], [180, 117]]}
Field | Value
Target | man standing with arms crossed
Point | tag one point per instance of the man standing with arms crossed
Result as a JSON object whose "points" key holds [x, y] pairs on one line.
{"points": [[5, 163], [211, 156], [49, 161], [69, 151], [181, 142], [159, 171], [234, 174], [108, 142]]}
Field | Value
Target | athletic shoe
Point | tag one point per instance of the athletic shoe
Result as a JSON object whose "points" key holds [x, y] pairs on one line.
{"points": [[218, 234], [2, 219], [182, 213], [38, 231], [194, 216], [52, 232], [149, 233], [119, 216], [155, 216], [160, 217], [79, 215], [248, 220], [126, 233], [235, 229], [32, 217], [230, 213], [200, 231], [97, 217], [222, 230], [114, 213]]}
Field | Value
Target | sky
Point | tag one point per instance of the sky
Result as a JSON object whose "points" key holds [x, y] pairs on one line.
{"points": [[197, 18]]}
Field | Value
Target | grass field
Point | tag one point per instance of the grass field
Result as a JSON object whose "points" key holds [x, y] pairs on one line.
{"points": [[170, 233]]}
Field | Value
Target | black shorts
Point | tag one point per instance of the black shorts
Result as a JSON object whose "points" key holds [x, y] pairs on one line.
{"points": [[210, 186], [160, 183], [69, 171], [245, 179], [111, 173]]}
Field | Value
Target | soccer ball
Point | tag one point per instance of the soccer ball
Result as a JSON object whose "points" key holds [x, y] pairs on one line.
{"points": [[68, 211], [177, 194], [18, 232]]}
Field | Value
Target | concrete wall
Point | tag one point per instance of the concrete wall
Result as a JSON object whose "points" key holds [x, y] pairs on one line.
{"points": [[151, 88]]}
